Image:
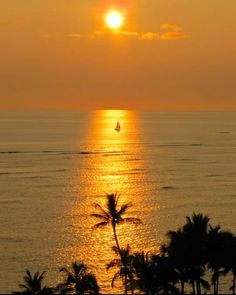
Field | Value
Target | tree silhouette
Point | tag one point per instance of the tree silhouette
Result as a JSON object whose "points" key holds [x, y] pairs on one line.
{"points": [[33, 284], [79, 280], [177, 250], [113, 215], [195, 231], [217, 253], [188, 251], [155, 274], [230, 265], [125, 271]]}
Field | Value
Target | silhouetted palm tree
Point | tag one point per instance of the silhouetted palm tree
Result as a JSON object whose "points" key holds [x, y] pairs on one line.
{"points": [[230, 265], [79, 280], [188, 252], [125, 271], [217, 252], [177, 253], [144, 273], [195, 232], [33, 285], [113, 215], [155, 274]]}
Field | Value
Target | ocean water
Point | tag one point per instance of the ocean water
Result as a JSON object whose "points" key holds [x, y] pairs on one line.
{"points": [[55, 165]]}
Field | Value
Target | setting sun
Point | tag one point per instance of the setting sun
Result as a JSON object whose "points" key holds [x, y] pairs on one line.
{"points": [[114, 20]]}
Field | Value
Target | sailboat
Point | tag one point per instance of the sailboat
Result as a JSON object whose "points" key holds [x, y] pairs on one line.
{"points": [[117, 128]]}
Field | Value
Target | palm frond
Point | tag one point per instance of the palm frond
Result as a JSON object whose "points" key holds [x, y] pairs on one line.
{"points": [[115, 249], [23, 286], [205, 284], [114, 263], [100, 224], [99, 207], [115, 277], [64, 269], [41, 276], [124, 208], [96, 215]]}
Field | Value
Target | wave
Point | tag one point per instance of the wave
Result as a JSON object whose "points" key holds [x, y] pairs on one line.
{"points": [[179, 144], [33, 172], [105, 153], [167, 187], [214, 175], [6, 202], [11, 152]]}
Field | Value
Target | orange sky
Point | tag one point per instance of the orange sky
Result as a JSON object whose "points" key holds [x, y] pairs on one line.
{"points": [[170, 55]]}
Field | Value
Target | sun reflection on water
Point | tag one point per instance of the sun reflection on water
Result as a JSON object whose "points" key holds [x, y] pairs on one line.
{"points": [[110, 163]]}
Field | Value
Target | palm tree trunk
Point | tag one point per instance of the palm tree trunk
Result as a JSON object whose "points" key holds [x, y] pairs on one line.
{"points": [[182, 287], [214, 285], [116, 240], [126, 291], [193, 287], [119, 250], [217, 283], [234, 283], [197, 287]]}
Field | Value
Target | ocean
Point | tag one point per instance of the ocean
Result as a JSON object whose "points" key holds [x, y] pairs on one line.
{"points": [[54, 165]]}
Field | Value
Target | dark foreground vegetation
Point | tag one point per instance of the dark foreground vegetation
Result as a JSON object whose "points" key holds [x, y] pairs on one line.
{"points": [[194, 252]]}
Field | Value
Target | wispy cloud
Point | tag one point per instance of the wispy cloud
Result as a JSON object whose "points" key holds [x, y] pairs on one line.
{"points": [[173, 32], [122, 33], [58, 36], [129, 33], [173, 35], [171, 27], [167, 32], [149, 36], [74, 35]]}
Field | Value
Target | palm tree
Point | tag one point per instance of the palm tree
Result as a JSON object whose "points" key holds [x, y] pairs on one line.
{"points": [[144, 273], [230, 257], [155, 274], [112, 215], [187, 249], [195, 232], [33, 284], [79, 280], [125, 271], [176, 250], [218, 247]]}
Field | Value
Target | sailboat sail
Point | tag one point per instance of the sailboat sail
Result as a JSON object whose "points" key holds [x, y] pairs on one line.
{"points": [[117, 128]]}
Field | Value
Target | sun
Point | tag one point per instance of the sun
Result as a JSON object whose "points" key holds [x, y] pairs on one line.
{"points": [[114, 20]]}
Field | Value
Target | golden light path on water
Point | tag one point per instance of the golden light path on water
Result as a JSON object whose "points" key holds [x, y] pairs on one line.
{"points": [[111, 163]]}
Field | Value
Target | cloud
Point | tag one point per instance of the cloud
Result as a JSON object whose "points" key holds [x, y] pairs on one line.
{"points": [[172, 31], [167, 32], [173, 35], [74, 35], [171, 27], [122, 33], [58, 36], [129, 33], [149, 36]]}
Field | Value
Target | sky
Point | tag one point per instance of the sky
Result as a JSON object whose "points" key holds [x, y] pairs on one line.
{"points": [[168, 55]]}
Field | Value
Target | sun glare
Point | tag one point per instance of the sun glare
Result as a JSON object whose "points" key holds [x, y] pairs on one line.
{"points": [[114, 20]]}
